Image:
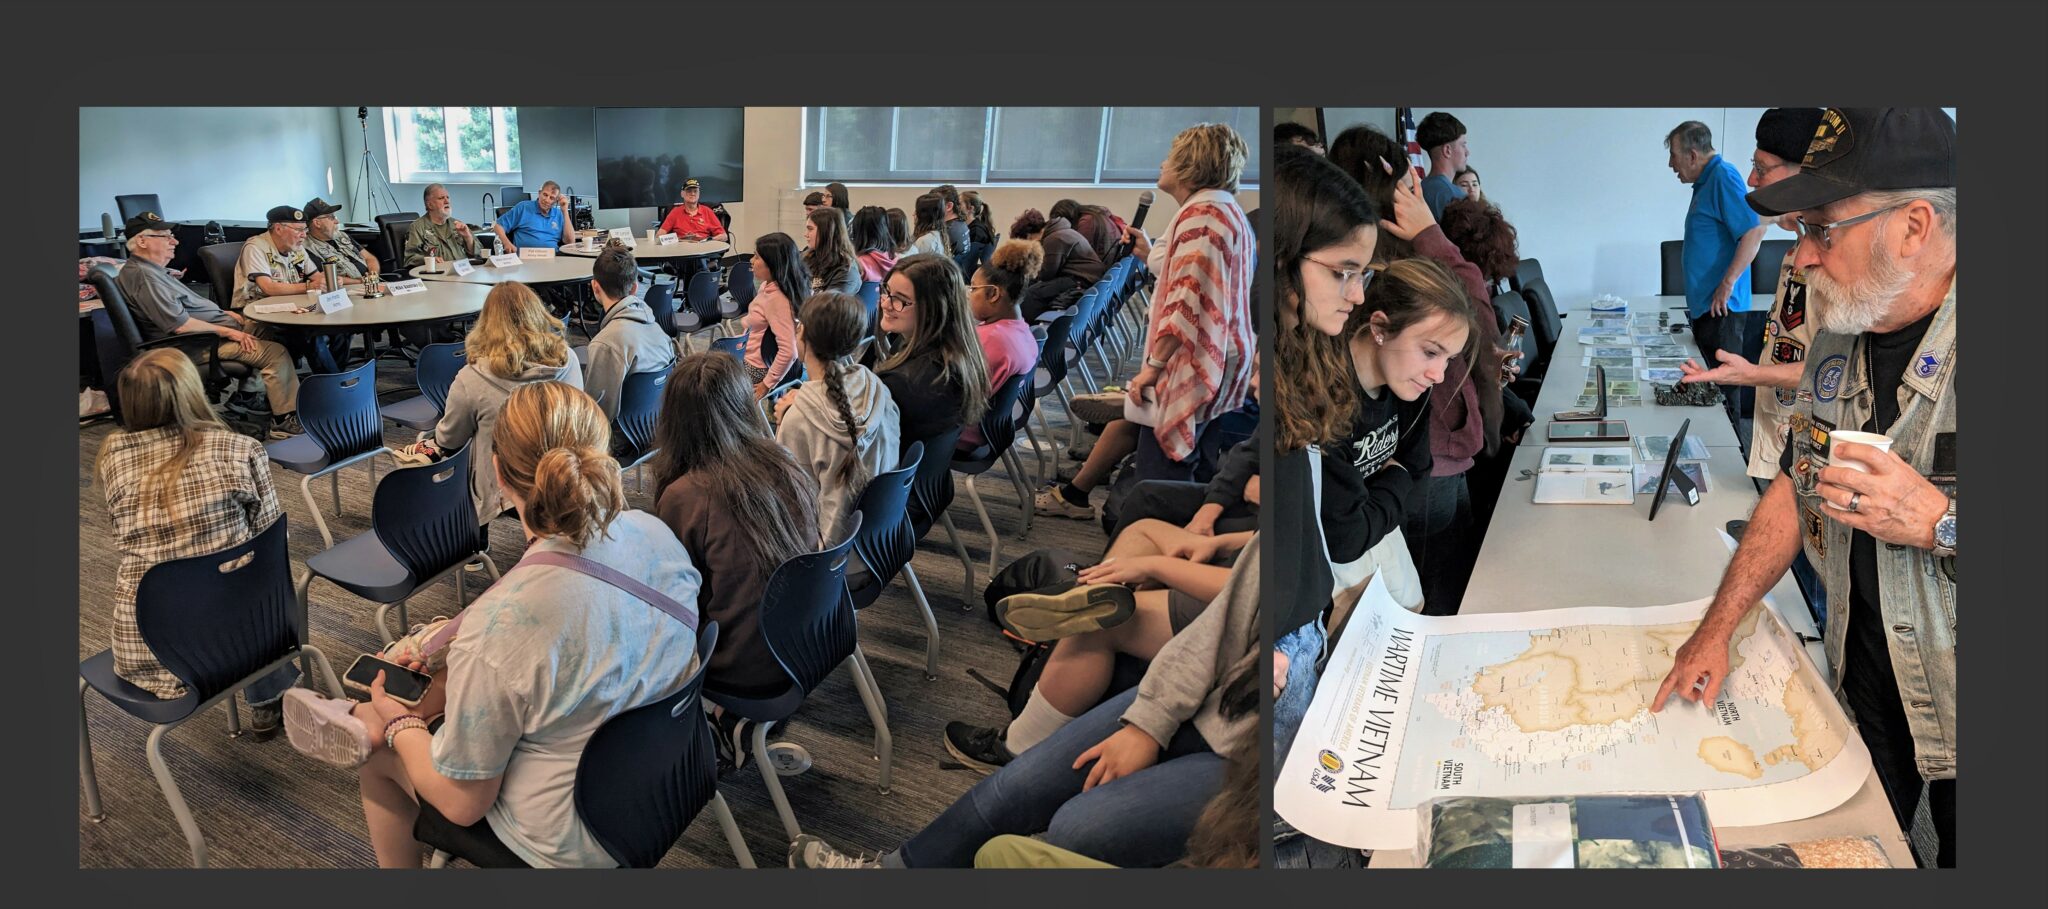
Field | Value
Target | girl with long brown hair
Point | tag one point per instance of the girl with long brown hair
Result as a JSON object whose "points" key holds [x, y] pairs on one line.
{"points": [[830, 254], [937, 373], [841, 425]]}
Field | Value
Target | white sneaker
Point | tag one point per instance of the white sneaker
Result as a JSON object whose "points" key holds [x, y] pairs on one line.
{"points": [[1050, 503], [808, 851], [325, 728], [1099, 408]]}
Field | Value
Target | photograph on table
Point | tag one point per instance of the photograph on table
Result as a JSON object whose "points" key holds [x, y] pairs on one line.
{"points": [[680, 487], [1737, 682]]}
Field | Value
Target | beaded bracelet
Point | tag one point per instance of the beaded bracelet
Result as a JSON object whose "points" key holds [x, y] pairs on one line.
{"points": [[400, 724]]}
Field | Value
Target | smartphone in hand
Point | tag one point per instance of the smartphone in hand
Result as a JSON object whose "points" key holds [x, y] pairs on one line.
{"points": [[400, 684]]}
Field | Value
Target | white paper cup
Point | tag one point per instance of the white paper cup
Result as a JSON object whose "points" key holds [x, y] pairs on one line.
{"points": [[650, 236], [1881, 443], [433, 264]]}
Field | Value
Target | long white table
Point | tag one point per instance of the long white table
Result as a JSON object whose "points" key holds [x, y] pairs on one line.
{"points": [[1553, 556], [438, 301], [529, 271], [643, 248]]}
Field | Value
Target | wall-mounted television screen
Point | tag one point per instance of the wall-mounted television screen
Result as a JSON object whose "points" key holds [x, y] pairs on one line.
{"points": [[645, 153]]}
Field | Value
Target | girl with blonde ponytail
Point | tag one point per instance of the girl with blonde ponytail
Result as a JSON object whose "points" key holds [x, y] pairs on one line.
{"points": [[842, 424], [570, 638]]}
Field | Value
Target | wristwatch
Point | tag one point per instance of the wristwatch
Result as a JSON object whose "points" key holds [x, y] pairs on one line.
{"points": [[1945, 533]]}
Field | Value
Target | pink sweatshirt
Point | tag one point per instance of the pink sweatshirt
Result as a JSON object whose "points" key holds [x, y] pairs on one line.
{"points": [[875, 264], [771, 311], [1010, 348]]}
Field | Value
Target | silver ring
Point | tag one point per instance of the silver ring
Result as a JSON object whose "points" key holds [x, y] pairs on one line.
{"points": [[1854, 498]]}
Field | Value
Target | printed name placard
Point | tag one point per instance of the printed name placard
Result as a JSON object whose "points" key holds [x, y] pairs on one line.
{"points": [[623, 233], [536, 252], [401, 288], [462, 266], [667, 240], [506, 260], [335, 301]]}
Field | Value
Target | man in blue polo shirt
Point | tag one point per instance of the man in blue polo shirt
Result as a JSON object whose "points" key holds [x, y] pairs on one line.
{"points": [[1722, 234], [536, 222]]}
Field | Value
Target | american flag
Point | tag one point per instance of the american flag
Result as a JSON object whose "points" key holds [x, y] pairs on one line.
{"points": [[1416, 159]]}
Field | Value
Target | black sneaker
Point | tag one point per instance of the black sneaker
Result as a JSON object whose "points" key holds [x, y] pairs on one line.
{"points": [[735, 740], [979, 747], [265, 720], [285, 425]]}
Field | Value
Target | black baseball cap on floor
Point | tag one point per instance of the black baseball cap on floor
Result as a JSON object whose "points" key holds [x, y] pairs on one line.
{"points": [[1861, 149]]}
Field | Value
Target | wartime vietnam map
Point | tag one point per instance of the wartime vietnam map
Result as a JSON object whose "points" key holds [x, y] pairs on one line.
{"points": [[1556, 703]]}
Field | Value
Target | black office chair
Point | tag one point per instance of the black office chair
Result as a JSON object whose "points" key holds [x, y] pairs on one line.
{"points": [[1525, 271], [1673, 252], [1541, 303], [203, 347], [136, 204], [394, 227], [513, 193], [1770, 257], [502, 209], [219, 262]]}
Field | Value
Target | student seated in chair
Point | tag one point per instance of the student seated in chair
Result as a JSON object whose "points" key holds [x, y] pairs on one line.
{"points": [[534, 667], [936, 372], [180, 483], [1007, 345], [628, 341], [842, 424]]}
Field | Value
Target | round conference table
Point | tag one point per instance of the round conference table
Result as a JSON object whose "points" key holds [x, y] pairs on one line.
{"points": [[529, 271], [436, 302], [644, 248]]}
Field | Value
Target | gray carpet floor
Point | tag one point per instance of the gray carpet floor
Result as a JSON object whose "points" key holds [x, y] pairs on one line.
{"points": [[263, 805]]}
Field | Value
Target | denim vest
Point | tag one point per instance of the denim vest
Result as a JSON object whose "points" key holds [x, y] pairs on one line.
{"points": [[1918, 600]]}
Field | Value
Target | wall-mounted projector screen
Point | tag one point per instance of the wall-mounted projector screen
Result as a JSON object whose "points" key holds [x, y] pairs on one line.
{"points": [[645, 153]]}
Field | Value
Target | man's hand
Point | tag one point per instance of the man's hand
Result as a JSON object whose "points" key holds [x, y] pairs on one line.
{"points": [[1894, 503], [1702, 659], [1204, 521], [460, 227], [1719, 306], [1734, 370], [317, 282]]}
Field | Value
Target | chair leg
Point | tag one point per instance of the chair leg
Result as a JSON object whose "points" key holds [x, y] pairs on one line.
{"points": [[334, 483], [931, 623], [193, 838], [1073, 422], [768, 777], [306, 490], [308, 655], [966, 564], [86, 778], [995, 543], [234, 716], [1014, 464], [1038, 450], [440, 860], [863, 681], [731, 829]]}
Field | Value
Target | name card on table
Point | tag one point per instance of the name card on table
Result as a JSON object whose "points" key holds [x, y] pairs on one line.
{"points": [[505, 261], [401, 288], [335, 301], [621, 233], [462, 266], [536, 252], [667, 240], [273, 306]]}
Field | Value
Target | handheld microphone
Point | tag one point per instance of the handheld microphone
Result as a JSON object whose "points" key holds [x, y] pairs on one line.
{"points": [[1144, 205]]}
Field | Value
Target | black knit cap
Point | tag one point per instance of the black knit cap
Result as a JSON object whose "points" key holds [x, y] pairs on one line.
{"points": [[1863, 149], [1786, 131]]}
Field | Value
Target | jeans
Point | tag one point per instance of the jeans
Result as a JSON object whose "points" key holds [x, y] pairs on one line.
{"points": [[1304, 649], [1138, 821], [1152, 463], [1175, 502], [268, 689]]}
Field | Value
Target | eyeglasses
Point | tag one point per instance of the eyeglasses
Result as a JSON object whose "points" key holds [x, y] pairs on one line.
{"points": [[154, 237], [1821, 232], [975, 287], [1761, 169], [892, 302], [1347, 276]]}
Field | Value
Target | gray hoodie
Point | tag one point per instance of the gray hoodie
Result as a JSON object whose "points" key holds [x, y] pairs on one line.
{"points": [[474, 400], [628, 342], [1186, 680], [812, 431]]}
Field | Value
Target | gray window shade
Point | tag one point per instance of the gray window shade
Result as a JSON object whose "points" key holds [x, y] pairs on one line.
{"points": [[1139, 137], [979, 145], [1045, 144]]}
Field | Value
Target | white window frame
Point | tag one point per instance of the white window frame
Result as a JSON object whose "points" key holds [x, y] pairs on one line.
{"points": [[396, 126], [806, 173]]}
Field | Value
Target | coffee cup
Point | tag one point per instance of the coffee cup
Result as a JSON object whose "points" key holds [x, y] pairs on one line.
{"points": [[1881, 443], [650, 235], [433, 264]]}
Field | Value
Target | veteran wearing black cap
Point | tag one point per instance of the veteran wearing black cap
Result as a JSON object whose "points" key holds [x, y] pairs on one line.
{"points": [[163, 306], [690, 221], [1875, 203], [275, 263], [326, 240]]}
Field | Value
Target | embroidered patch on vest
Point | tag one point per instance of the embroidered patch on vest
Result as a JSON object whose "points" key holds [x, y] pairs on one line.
{"points": [[1827, 380], [1816, 528], [1927, 365]]}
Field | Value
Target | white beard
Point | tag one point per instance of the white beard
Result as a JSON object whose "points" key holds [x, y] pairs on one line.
{"points": [[1852, 309]]}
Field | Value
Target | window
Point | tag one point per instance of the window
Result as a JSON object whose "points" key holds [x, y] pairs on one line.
{"points": [[452, 144], [1006, 145]]}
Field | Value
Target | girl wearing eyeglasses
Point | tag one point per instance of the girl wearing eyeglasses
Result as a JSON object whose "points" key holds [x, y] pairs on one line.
{"points": [[937, 373]]}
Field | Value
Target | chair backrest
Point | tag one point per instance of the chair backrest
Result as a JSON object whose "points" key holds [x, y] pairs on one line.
{"points": [[1005, 408], [510, 194], [424, 515], [735, 345], [646, 773], [339, 410], [1525, 271], [1673, 260], [1507, 306], [1763, 272], [214, 619], [931, 490], [132, 205], [1053, 369], [871, 300], [219, 262], [394, 227], [661, 300], [437, 367], [806, 614], [101, 277], [701, 295], [639, 406], [886, 541], [1546, 324], [740, 284], [502, 209]]}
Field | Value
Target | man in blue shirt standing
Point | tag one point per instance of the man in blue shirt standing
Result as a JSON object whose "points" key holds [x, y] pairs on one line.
{"points": [[1442, 138], [1722, 234], [536, 222]]}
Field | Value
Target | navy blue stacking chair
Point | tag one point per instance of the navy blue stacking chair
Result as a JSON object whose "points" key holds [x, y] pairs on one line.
{"points": [[1050, 376], [422, 529], [219, 622], [735, 345], [434, 374], [931, 498], [871, 300], [643, 777], [739, 290], [807, 621], [701, 310], [660, 298], [343, 427], [886, 544], [998, 431], [639, 407]]}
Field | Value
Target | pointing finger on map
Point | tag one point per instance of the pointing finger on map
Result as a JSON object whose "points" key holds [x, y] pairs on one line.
{"points": [[1698, 662]]}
